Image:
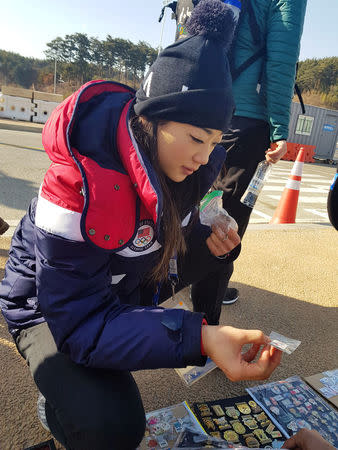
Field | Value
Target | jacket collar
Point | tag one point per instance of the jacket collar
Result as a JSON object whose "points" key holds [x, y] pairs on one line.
{"points": [[138, 166]]}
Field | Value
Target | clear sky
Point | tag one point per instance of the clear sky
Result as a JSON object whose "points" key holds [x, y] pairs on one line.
{"points": [[26, 27]]}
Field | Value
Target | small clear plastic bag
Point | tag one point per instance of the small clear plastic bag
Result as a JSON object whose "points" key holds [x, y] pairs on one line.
{"points": [[193, 440], [190, 374], [212, 212], [283, 343]]}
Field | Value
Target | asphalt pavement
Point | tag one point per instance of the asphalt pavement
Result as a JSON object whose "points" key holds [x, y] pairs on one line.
{"points": [[287, 277]]}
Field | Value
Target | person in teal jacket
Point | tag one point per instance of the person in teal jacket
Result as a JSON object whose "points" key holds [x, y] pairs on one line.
{"points": [[263, 56], [268, 31], [264, 90]]}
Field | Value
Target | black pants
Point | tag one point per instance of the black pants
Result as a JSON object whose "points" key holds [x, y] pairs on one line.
{"points": [[246, 143], [86, 409], [96, 409]]}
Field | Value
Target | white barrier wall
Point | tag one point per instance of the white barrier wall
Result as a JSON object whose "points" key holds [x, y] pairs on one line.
{"points": [[42, 110], [27, 105], [2, 106], [15, 108]]}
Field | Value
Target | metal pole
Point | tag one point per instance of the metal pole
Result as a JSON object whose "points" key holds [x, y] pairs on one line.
{"points": [[54, 75], [162, 29]]}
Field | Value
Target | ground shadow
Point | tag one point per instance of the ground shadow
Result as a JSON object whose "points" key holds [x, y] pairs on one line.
{"points": [[16, 193], [3, 254]]}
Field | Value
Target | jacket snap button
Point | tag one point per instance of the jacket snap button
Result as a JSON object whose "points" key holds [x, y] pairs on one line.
{"points": [[121, 242], [91, 231], [135, 185], [106, 237], [117, 187]]}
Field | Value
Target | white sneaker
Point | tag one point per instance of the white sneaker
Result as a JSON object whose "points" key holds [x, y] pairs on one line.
{"points": [[41, 407]]}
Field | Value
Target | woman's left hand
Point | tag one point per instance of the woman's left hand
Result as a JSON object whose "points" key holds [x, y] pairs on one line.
{"points": [[273, 156], [220, 242]]}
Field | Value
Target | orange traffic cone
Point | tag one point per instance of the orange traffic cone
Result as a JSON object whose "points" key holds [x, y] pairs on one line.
{"points": [[287, 206]]}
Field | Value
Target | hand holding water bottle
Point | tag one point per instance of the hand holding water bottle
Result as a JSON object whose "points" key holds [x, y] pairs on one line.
{"points": [[256, 184], [274, 155]]}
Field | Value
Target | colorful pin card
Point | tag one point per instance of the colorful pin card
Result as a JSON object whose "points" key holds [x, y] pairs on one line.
{"points": [[291, 405], [163, 426], [326, 383]]}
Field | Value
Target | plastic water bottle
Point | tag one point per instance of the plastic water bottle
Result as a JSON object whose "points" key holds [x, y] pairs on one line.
{"points": [[256, 184]]}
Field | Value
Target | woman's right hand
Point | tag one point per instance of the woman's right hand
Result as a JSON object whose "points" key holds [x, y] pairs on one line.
{"points": [[220, 242], [224, 345], [307, 440]]}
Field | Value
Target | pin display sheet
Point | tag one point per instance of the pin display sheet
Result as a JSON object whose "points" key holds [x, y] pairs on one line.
{"points": [[292, 404], [239, 421]]}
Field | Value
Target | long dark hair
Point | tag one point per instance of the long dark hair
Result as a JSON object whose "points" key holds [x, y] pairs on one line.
{"points": [[178, 198]]}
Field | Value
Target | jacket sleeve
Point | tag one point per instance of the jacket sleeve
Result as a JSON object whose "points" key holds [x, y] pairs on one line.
{"points": [[93, 327], [284, 31]]}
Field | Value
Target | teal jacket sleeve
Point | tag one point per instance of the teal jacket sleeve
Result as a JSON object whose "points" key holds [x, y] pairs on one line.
{"points": [[284, 31]]}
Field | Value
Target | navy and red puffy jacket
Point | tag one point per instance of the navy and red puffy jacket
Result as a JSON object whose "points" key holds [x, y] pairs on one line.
{"points": [[79, 254]]}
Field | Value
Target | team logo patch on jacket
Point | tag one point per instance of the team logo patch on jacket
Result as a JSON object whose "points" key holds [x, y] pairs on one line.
{"points": [[145, 236]]}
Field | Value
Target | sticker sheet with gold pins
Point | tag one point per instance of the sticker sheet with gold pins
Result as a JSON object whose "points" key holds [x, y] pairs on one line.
{"points": [[239, 421]]}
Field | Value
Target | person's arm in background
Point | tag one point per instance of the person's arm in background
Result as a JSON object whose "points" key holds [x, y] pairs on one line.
{"points": [[276, 154], [284, 31], [307, 440]]}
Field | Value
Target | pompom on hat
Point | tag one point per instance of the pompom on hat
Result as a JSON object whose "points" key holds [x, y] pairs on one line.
{"points": [[190, 81]]}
